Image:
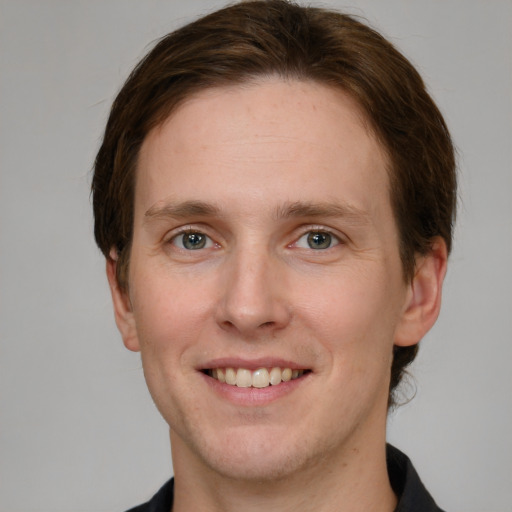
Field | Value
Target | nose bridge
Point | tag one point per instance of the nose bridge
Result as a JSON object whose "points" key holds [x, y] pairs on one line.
{"points": [[253, 297]]}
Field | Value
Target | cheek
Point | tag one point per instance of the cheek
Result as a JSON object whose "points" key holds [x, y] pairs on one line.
{"points": [[356, 334], [354, 318], [168, 319], [356, 303], [167, 312]]}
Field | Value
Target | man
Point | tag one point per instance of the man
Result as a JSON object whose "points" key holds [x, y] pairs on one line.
{"points": [[274, 196]]}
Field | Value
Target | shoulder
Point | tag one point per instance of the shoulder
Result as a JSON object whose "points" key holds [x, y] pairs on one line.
{"points": [[160, 502], [412, 494]]}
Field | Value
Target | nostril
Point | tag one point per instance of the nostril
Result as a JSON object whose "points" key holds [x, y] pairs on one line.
{"points": [[227, 324], [262, 315]]}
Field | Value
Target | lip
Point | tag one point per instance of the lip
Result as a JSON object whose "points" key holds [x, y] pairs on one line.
{"points": [[253, 397], [252, 364]]}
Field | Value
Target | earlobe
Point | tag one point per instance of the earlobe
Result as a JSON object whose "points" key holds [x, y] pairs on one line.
{"points": [[123, 313], [423, 301]]}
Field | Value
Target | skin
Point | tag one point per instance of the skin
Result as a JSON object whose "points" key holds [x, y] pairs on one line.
{"points": [[255, 169]]}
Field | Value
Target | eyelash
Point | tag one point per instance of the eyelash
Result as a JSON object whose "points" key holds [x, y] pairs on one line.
{"points": [[334, 240], [190, 231]]}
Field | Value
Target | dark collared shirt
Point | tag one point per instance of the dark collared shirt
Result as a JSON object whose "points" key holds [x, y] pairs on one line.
{"points": [[411, 493]]}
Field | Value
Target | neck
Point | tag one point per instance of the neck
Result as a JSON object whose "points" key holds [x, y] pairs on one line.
{"points": [[353, 480]]}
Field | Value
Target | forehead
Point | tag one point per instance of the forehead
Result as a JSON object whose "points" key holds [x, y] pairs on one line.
{"points": [[262, 140]]}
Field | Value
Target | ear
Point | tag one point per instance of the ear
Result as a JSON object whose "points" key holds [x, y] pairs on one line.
{"points": [[123, 313], [423, 301]]}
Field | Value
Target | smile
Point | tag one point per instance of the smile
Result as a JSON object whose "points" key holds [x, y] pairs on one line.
{"points": [[260, 378]]}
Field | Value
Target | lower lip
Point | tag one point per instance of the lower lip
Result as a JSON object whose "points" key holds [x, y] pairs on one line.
{"points": [[254, 397]]}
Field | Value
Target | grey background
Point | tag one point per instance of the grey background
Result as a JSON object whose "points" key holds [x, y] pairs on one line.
{"points": [[78, 429]]}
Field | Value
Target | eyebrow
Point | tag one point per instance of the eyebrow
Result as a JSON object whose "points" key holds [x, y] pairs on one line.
{"points": [[324, 209], [296, 209], [181, 210]]}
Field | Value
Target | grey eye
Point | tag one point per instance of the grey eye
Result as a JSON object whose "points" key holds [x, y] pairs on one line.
{"points": [[192, 241], [319, 240]]}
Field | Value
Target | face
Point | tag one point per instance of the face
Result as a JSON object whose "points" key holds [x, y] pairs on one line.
{"points": [[265, 252]]}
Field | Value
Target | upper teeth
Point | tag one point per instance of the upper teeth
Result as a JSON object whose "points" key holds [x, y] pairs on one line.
{"points": [[260, 378]]}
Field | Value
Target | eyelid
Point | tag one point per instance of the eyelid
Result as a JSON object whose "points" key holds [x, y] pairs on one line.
{"points": [[300, 232], [183, 230], [334, 241], [315, 228]]}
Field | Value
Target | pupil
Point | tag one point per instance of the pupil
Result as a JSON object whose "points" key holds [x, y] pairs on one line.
{"points": [[319, 240], [194, 241]]}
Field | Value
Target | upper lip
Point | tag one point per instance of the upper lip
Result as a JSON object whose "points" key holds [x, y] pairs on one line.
{"points": [[252, 364]]}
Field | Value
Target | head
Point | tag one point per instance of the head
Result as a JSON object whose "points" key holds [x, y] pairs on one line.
{"points": [[250, 41]]}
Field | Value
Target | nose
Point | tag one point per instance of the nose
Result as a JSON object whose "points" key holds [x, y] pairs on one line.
{"points": [[253, 301]]}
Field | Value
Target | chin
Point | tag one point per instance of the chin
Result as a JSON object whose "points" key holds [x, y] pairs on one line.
{"points": [[261, 466], [257, 455]]}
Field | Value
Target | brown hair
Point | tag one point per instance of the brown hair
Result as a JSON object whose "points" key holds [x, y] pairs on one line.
{"points": [[277, 38]]}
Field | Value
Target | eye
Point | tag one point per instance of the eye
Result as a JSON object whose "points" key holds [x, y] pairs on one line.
{"points": [[192, 241], [317, 240]]}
